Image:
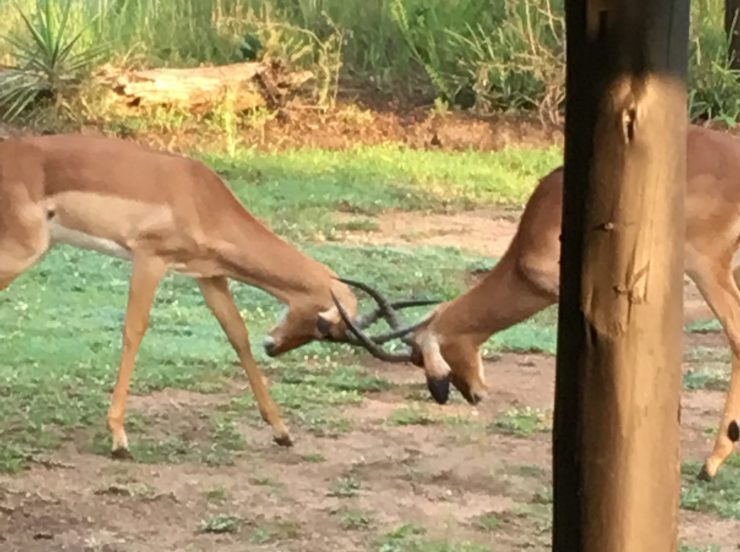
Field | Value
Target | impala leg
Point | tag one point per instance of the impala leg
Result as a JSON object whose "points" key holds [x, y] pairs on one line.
{"points": [[220, 301], [723, 296], [145, 278]]}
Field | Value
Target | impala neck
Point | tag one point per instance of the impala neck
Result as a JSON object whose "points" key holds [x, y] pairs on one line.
{"points": [[264, 260], [503, 298]]}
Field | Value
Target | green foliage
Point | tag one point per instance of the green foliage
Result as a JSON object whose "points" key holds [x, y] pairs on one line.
{"points": [[354, 520], [523, 422], [221, 523], [708, 548], [345, 487], [472, 53], [49, 64], [712, 380], [411, 538], [273, 531], [718, 496]]}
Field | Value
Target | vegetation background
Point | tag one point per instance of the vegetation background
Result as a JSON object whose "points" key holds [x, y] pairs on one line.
{"points": [[484, 55]]}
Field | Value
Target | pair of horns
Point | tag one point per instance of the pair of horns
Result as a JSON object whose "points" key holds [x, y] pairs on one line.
{"points": [[387, 310]]}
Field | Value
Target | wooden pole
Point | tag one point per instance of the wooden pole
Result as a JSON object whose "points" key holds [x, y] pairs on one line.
{"points": [[618, 382], [732, 28]]}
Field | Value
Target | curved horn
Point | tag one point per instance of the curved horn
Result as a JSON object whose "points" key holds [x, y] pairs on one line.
{"points": [[367, 320], [400, 332], [383, 304], [372, 347], [385, 307]]}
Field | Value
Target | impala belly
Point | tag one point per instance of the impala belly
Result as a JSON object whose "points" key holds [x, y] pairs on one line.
{"points": [[109, 225], [62, 234]]}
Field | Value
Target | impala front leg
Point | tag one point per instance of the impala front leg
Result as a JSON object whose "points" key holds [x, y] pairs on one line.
{"points": [[217, 295], [145, 278], [721, 292]]}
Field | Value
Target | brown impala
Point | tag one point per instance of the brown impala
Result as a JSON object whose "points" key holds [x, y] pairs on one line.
{"points": [[526, 280], [165, 212]]}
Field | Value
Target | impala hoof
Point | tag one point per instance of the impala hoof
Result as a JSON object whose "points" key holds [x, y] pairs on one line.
{"points": [[121, 454], [283, 439], [439, 389], [704, 475]]}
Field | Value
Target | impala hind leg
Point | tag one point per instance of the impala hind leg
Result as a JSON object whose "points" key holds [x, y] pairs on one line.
{"points": [[220, 301], [721, 292], [26, 246], [145, 277]]}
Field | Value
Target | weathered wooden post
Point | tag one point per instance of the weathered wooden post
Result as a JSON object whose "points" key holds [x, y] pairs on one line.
{"points": [[616, 435]]}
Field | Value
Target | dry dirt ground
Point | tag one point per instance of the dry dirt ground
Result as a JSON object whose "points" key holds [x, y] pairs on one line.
{"points": [[343, 492]]}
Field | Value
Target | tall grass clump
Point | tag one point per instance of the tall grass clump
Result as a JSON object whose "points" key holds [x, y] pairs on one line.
{"points": [[50, 62], [714, 87]]}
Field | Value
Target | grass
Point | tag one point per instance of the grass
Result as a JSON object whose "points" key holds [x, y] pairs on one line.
{"points": [[718, 496], [274, 531], [345, 486], [310, 185], [221, 523], [703, 378], [523, 422], [412, 538], [354, 520], [488, 523], [410, 415], [60, 323]]}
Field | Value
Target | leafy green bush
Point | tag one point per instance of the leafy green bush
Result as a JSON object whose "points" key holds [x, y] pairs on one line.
{"points": [[49, 62]]}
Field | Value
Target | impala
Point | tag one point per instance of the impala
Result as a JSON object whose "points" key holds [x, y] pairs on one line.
{"points": [[165, 212], [526, 280]]}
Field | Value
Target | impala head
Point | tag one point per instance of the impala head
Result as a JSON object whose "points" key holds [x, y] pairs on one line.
{"points": [[311, 317], [448, 357], [432, 344]]}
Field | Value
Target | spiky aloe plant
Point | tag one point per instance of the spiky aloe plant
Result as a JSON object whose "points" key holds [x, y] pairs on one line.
{"points": [[49, 61]]}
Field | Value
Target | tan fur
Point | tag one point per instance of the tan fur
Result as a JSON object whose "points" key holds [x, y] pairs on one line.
{"points": [[165, 213], [526, 279]]}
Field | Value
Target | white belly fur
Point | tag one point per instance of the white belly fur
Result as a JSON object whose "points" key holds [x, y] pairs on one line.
{"points": [[75, 238]]}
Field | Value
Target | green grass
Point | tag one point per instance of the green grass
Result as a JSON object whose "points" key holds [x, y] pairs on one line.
{"points": [[523, 422], [354, 520], [712, 380], [221, 523], [274, 531], [345, 486], [410, 415], [488, 523], [718, 496], [711, 325], [706, 548], [60, 323], [412, 538], [297, 191]]}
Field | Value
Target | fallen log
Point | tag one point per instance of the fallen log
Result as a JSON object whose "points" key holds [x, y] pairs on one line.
{"points": [[248, 85]]}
